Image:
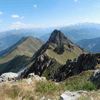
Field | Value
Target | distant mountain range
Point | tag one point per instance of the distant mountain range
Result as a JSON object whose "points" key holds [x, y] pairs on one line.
{"points": [[74, 32], [92, 45], [9, 38], [82, 31], [79, 31]]}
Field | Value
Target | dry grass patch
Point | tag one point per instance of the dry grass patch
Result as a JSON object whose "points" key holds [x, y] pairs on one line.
{"points": [[93, 95]]}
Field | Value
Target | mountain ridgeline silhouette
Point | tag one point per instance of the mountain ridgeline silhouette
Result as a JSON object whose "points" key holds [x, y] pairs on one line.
{"points": [[18, 55]]}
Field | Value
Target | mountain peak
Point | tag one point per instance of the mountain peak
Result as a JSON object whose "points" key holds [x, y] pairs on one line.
{"points": [[56, 36]]}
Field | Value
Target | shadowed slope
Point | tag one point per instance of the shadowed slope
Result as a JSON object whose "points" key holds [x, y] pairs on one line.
{"points": [[26, 46]]}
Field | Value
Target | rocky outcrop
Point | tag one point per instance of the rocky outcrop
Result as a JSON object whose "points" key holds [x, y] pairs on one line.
{"points": [[36, 77], [48, 67], [14, 76], [59, 39], [8, 77], [83, 63], [32, 77], [40, 64], [69, 96], [72, 95], [95, 78]]}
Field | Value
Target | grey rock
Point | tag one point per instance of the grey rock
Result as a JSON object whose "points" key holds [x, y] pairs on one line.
{"points": [[95, 78], [70, 96], [8, 77], [36, 77]]}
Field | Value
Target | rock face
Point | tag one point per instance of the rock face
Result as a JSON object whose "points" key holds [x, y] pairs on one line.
{"points": [[95, 78], [83, 63], [59, 45], [8, 77], [41, 64], [58, 38]]}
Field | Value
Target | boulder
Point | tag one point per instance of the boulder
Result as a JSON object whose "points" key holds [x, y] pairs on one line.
{"points": [[95, 78], [70, 96], [8, 76], [40, 64], [36, 77], [31, 75]]}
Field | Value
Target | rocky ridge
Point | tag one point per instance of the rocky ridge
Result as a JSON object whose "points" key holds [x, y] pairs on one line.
{"points": [[46, 61]]}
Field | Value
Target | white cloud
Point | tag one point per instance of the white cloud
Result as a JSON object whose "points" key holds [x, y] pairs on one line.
{"points": [[21, 25], [1, 12], [17, 25], [35, 6], [15, 16]]}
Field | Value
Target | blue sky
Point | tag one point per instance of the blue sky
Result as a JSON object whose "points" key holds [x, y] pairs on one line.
{"points": [[46, 13]]}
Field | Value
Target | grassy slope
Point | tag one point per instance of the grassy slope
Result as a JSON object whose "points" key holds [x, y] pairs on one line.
{"points": [[62, 58], [14, 65], [80, 82], [27, 47], [36, 90], [16, 57]]}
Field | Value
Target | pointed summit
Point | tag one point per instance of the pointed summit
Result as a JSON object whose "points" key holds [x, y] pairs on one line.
{"points": [[59, 46], [59, 40], [57, 37]]}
